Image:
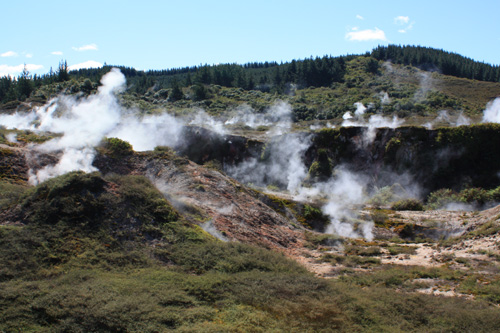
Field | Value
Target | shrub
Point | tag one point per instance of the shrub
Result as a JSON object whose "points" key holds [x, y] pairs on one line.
{"points": [[73, 197], [117, 147], [406, 231], [408, 204], [441, 198], [322, 167], [394, 250], [10, 194], [363, 251], [379, 218], [476, 196]]}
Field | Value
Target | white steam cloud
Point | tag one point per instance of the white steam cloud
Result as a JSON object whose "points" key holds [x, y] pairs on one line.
{"points": [[343, 191], [203, 119], [360, 109], [280, 164], [279, 116], [84, 123], [375, 121], [384, 98], [444, 117], [492, 112]]}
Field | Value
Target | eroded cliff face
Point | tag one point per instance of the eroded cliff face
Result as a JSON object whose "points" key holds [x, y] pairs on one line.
{"points": [[216, 202], [226, 207], [465, 156], [455, 158]]}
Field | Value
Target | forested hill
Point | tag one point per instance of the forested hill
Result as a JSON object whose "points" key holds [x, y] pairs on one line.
{"points": [[312, 72], [432, 59], [344, 80]]}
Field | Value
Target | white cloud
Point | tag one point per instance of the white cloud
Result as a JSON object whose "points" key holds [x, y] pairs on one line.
{"points": [[89, 47], [6, 70], [29, 55], [359, 17], [401, 20], [8, 54], [366, 35], [33, 67], [86, 64], [57, 53]]}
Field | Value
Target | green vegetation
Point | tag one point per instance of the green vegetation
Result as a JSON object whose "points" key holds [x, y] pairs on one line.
{"points": [[87, 252], [408, 204], [350, 260], [396, 249], [446, 62], [321, 169], [116, 147], [109, 253], [477, 197], [317, 88]]}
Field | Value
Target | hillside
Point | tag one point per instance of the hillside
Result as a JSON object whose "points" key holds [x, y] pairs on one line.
{"points": [[109, 253], [366, 203], [403, 81]]}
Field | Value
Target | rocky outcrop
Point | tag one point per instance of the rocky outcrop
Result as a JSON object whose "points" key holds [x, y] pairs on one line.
{"points": [[208, 197], [465, 156]]}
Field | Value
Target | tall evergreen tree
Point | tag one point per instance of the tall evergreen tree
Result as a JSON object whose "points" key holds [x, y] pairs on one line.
{"points": [[24, 84], [62, 71]]}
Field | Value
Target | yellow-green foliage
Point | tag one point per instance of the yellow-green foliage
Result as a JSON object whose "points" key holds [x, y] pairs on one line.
{"points": [[475, 196], [408, 204], [117, 147], [111, 255], [10, 194]]}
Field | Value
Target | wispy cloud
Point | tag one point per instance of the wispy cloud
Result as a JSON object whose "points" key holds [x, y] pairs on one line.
{"points": [[6, 70], [365, 35], [405, 30], [359, 17], [8, 54], [89, 47], [401, 20], [86, 64], [29, 55], [56, 53]]}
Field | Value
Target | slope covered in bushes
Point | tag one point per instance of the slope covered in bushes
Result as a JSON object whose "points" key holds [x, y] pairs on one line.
{"points": [[83, 252]]}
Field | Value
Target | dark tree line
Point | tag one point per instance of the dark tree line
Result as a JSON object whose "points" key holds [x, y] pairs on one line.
{"points": [[264, 76], [315, 72], [20, 88], [432, 59]]}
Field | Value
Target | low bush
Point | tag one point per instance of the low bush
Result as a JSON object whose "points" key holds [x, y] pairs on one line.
{"points": [[408, 204], [117, 147], [476, 197], [363, 250], [10, 194], [395, 250]]}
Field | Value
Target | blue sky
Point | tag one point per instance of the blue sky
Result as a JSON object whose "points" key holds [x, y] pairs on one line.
{"points": [[167, 34]]}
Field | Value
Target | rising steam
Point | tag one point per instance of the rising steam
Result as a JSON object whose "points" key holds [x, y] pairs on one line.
{"points": [[492, 112], [83, 123], [342, 192]]}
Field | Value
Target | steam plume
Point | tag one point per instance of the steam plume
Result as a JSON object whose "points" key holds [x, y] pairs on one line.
{"points": [[343, 191], [279, 115], [84, 123], [281, 164], [492, 112]]}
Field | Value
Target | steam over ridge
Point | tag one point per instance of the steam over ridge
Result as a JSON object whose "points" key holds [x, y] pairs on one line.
{"points": [[83, 123]]}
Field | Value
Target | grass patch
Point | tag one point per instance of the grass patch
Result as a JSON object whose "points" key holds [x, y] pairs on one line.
{"points": [[396, 249]]}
